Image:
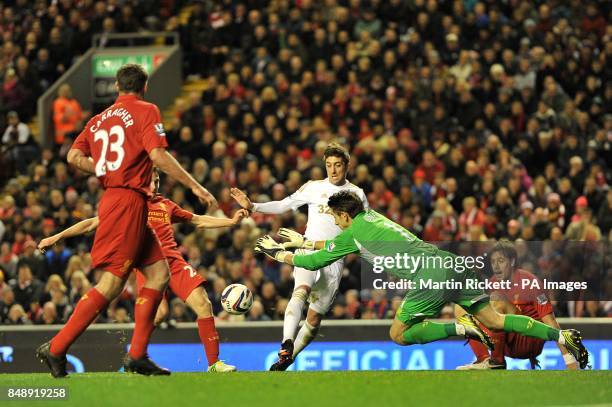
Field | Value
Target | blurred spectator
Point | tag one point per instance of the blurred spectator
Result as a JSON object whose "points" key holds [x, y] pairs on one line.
{"points": [[604, 217], [8, 260], [269, 298], [79, 285], [49, 314], [27, 288], [18, 147], [179, 311], [13, 94], [17, 315], [67, 113], [122, 316], [256, 313], [57, 258], [34, 260]]}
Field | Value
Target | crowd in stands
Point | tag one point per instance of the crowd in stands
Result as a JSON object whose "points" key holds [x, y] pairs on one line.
{"points": [[466, 121]]}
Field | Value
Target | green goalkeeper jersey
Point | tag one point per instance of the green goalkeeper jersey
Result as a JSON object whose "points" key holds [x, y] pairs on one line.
{"points": [[371, 235], [376, 238]]}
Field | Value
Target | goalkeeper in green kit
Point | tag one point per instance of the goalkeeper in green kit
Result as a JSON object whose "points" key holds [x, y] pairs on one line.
{"points": [[371, 235]]}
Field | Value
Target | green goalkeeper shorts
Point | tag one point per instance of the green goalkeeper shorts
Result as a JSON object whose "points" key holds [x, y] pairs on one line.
{"points": [[425, 302]]}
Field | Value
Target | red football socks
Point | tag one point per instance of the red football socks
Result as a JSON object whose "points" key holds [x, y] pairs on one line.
{"points": [[498, 354], [86, 311], [479, 349], [144, 315], [210, 338]]}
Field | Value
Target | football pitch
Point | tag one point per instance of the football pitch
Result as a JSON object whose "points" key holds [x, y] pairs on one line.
{"points": [[373, 388]]}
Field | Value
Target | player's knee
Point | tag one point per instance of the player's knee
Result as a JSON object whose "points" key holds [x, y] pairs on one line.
{"points": [[301, 293], [157, 276], [110, 286], [163, 277]]}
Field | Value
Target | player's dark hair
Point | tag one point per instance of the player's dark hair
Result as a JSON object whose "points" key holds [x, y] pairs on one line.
{"points": [[132, 78], [336, 150], [346, 201], [506, 249]]}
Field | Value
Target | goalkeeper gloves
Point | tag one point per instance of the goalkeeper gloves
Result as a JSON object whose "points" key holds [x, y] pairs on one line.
{"points": [[271, 248], [295, 240]]}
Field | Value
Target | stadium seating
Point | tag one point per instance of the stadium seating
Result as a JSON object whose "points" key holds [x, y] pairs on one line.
{"points": [[465, 120]]}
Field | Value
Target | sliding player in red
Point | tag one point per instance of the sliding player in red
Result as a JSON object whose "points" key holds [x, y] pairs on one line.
{"points": [[185, 282], [120, 146], [532, 303]]}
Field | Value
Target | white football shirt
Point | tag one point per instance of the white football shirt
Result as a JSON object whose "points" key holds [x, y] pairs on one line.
{"points": [[315, 194]]}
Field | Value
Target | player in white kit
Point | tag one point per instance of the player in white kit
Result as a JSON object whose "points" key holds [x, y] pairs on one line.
{"points": [[319, 288]]}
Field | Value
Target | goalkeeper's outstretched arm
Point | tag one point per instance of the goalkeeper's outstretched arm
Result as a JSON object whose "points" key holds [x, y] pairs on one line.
{"points": [[312, 261], [327, 251]]}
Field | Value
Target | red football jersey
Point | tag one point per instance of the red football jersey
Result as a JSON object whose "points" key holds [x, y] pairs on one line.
{"points": [[162, 214], [531, 302], [120, 139]]}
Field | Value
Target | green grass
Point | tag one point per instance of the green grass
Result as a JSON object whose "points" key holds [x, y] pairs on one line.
{"points": [[355, 389]]}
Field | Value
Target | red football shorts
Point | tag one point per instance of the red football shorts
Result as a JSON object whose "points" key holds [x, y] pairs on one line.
{"points": [[123, 239], [183, 278], [522, 347]]}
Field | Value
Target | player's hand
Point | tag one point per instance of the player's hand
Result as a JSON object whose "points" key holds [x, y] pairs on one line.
{"points": [[242, 199], [271, 248], [205, 197], [47, 242], [295, 240], [239, 215]]}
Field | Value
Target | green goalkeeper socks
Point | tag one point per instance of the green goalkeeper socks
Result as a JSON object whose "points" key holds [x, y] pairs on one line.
{"points": [[425, 332], [530, 327]]}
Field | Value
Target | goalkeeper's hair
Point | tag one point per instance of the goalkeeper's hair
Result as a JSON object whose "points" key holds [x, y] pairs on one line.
{"points": [[346, 201], [336, 150], [506, 249]]}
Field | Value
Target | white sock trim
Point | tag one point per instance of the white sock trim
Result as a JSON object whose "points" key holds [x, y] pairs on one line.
{"points": [[561, 339]]}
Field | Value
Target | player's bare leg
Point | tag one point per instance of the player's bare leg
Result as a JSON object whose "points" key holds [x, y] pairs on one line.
{"points": [[53, 353], [527, 326], [308, 331], [199, 302], [157, 276], [293, 316], [162, 312]]}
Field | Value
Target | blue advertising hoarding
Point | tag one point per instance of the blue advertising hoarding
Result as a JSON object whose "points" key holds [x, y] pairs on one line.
{"points": [[190, 357]]}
